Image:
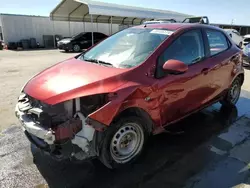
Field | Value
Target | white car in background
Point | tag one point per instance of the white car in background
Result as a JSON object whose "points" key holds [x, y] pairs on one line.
{"points": [[246, 39], [235, 35]]}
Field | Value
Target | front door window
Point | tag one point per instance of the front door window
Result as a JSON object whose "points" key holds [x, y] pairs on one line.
{"points": [[188, 48]]}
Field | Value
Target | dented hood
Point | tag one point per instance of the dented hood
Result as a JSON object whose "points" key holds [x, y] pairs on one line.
{"points": [[74, 78]]}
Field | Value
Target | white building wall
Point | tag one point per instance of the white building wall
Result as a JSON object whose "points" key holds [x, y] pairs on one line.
{"points": [[18, 27]]}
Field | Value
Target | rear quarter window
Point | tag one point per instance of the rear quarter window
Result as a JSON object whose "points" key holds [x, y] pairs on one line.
{"points": [[217, 42]]}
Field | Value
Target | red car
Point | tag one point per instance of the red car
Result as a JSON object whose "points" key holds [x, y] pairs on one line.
{"points": [[107, 101]]}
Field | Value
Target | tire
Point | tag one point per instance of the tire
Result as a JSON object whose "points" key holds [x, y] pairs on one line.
{"points": [[123, 142], [76, 48], [233, 93]]}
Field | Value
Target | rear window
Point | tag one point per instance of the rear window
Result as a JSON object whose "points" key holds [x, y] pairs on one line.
{"points": [[217, 41]]}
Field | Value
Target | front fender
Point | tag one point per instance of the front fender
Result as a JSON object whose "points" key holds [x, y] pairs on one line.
{"points": [[129, 98]]}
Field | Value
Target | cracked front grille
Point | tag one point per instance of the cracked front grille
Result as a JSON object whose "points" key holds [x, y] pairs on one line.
{"points": [[46, 115]]}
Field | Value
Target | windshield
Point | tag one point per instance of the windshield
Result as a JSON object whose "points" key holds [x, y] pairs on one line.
{"points": [[77, 35], [127, 48]]}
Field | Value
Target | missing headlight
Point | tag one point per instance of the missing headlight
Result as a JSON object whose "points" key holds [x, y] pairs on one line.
{"points": [[89, 104]]}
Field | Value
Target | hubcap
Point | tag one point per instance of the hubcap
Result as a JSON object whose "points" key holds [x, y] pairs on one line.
{"points": [[76, 48], [235, 92], [127, 142]]}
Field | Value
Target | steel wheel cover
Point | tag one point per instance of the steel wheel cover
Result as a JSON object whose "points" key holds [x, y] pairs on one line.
{"points": [[76, 48], [235, 92], [127, 142]]}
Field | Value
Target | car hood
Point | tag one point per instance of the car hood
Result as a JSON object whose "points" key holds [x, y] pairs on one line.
{"points": [[74, 78]]}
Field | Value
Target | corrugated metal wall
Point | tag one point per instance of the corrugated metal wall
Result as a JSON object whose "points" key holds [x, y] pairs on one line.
{"points": [[18, 27]]}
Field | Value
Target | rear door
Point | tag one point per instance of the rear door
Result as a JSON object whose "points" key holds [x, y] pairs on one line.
{"points": [[181, 94], [219, 59]]}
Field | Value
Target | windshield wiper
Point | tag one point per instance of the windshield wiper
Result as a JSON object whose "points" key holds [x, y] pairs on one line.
{"points": [[197, 59], [98, 62], [105, 63]]}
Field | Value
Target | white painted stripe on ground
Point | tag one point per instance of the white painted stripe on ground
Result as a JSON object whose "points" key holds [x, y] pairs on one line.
{"points": [[238, 132], [217, 151]]}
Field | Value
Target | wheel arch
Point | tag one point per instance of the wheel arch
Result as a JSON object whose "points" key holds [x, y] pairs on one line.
{"points": [[239, 75], [97, 142], [139, 112]]}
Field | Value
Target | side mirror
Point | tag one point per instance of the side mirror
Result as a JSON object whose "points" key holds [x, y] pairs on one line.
{"points": [[175, 66]]}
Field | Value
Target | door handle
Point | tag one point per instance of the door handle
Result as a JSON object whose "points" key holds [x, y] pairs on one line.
{"points": [[205, 70]]}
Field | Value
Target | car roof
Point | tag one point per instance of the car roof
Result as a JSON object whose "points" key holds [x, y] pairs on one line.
{"points": [[176, 26]]}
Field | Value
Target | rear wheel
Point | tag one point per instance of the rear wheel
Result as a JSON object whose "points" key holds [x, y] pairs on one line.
{"points": [[123, 142], [233, 93]]}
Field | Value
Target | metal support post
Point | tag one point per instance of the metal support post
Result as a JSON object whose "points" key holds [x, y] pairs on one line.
{"points": [[92, 29]]}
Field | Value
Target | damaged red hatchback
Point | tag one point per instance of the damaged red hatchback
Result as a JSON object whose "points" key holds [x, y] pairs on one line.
{"points": [[107, 101]]}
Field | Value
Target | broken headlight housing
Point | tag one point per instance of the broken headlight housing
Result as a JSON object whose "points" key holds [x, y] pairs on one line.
{"points": [[89, 104]]}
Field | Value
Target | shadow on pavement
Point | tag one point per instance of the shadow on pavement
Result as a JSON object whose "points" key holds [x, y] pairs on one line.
{"points": [[162, 152]]}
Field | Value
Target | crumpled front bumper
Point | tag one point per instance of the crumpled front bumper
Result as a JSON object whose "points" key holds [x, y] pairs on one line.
{"points": [[60, 143], [32, 128]]}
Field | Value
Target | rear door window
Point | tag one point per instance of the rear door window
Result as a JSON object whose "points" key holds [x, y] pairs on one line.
{"points": [[218, 42]]}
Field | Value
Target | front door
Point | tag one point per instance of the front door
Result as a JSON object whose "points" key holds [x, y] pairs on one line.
{"points": [[180, 94]]}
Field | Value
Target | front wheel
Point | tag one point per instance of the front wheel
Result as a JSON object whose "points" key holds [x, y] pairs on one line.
{"points": [[123, 142], [76, 48], [233, 93]]}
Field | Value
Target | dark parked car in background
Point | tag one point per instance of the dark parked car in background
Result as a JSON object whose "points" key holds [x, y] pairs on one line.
{"points": [[80, 41]]}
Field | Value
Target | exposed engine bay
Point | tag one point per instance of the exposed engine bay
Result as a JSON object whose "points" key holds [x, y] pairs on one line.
{"points": [[60, 129]]}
